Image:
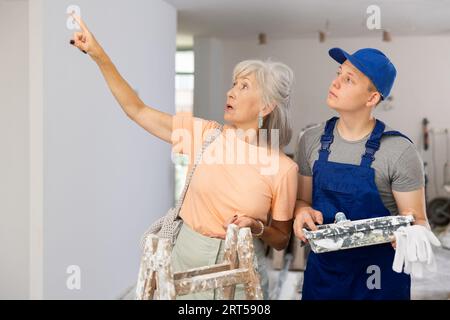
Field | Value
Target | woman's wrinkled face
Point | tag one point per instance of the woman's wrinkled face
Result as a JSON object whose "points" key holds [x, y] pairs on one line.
{"points": [[244, 102]]}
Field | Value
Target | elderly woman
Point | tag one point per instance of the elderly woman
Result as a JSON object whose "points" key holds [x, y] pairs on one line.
{"points": [[234, 185]]}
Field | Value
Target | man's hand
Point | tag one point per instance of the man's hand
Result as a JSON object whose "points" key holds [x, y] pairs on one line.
{"points": [[412, 203], [306, 216], [418, 220]]}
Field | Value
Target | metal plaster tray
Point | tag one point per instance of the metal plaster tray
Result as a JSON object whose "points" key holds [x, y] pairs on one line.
{"points": [[346, 234]]}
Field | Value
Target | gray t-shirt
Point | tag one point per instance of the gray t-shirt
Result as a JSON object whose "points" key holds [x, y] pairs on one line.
{"points": [[398, 165]]}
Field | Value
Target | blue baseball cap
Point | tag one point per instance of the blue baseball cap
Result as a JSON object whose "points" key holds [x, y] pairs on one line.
{"points": [[373, 63]]}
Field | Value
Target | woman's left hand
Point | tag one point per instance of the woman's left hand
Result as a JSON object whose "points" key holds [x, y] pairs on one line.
{"points": [[244, 221]]}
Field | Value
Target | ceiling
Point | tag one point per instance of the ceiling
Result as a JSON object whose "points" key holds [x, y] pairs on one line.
{"points": [[304, 18]]}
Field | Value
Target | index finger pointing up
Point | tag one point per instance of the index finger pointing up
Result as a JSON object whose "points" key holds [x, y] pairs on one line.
{"points": [[80, 22]]}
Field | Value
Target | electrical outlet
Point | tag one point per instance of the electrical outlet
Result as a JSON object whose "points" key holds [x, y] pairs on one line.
{"points": [[71, 23]]}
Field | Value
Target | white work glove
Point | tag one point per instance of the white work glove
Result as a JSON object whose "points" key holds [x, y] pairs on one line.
{"points": [[413, 250]]}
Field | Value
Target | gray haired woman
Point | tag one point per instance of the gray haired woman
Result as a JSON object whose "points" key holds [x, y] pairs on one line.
{"points": [[244, 177]]}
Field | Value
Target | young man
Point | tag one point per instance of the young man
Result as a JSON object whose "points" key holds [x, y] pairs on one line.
{"points": [[357, 165]]}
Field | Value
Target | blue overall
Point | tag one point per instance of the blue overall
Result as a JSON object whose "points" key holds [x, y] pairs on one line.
{"points": [[351, 189]]}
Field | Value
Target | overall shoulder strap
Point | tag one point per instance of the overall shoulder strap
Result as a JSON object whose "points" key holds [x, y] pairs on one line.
{"points": [[397, 133], [327, 139], [373, 144]]}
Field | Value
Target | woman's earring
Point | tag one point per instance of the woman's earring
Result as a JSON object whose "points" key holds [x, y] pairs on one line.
{"points": [[260, 120]]}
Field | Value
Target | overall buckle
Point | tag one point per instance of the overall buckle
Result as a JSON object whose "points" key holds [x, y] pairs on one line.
{"points": [[326, 142], [372, 147]]}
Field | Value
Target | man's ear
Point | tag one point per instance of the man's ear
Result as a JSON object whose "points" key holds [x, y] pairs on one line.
{"points": [[268, 108], [374, 99]]}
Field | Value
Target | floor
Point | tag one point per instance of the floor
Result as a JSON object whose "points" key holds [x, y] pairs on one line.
{"points": [[286, 285], [436, 286]]}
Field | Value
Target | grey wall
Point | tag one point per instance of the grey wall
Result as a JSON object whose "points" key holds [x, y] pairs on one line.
{"points": [[14, 144], [105, 178], [208, 78], [80, 182]]}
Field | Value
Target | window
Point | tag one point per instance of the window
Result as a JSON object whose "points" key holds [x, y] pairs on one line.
{"points": [[184, 102], [184, 81]]}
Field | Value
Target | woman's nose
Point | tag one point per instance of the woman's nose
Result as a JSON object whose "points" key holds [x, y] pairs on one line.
{"points": [[230, 93]]}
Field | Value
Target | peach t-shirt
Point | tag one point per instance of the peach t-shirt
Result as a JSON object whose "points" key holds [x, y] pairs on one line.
{"points": [[229, 181]]}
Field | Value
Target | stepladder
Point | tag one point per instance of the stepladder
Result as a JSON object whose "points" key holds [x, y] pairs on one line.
{"points": [[156, 279]]}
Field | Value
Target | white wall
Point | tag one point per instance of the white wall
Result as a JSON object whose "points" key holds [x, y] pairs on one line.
{"points": [[14, 144], [423, 80], [80, 182]]}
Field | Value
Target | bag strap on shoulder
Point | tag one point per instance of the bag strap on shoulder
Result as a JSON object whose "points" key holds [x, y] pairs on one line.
{"points": [[209, 139]]}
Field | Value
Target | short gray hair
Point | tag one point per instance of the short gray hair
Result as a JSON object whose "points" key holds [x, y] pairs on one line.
{"points": [[275, 81]]}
